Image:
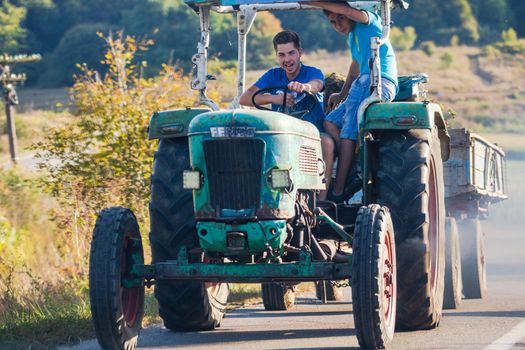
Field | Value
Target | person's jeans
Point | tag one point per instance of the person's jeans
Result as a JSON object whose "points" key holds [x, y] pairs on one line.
{"points": [[345, 115]]}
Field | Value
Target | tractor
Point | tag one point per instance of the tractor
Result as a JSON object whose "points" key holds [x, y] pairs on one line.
{"points": [[233, 199]]}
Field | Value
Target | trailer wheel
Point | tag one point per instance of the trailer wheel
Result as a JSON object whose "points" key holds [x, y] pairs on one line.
{"points": [[183, 305], [116, 309], [333, 293], [472, 259], [374, 277], [409, 181], [453, 280], [278, 296]]}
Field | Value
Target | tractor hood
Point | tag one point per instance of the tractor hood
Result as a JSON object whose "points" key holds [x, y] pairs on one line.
{"points": [[253, 122]]}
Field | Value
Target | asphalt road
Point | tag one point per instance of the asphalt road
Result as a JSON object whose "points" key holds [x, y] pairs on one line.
{"points": [[496, 322]]}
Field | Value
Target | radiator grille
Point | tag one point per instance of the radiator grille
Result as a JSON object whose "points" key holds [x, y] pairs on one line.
{"points": [[308, 162], [234, 172]]}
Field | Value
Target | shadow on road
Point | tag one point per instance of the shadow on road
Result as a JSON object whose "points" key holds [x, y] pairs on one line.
{"points": [[270, 314], [165, 337]]}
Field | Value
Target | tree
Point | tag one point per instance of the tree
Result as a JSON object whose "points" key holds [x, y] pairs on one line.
{"points": [[11, 32]]}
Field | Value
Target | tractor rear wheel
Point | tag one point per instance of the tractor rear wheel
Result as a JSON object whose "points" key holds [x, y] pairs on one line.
{"points": [[374, 277], [277, 296], [472, 259], [453, 281], [333, 293], [116, 309], [183, 305], [409, 181]]}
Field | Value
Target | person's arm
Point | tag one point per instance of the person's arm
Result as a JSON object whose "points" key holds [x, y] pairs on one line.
{"points": [[342, 9], [313, 86], [353, 73], [263, 99], [336, 98]]}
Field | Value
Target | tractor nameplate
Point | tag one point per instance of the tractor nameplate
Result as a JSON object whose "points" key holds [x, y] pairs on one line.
{"points": [[232, 131]]}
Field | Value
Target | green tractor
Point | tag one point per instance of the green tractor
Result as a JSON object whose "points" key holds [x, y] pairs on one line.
{"points": [[233, 199]]}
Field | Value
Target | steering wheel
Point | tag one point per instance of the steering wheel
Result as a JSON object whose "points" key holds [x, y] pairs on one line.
{"points": [[311, 102]]}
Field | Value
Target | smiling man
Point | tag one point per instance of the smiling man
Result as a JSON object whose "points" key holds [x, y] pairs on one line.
{"points": [[293, 73]]}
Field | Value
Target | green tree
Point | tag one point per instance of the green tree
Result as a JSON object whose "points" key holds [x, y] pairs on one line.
{"points": [[11, 32], [403, 39], [80, 44]]}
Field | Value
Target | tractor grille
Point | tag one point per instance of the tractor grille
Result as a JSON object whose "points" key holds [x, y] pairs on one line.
{"points": [[308, 162], [234, 172]]}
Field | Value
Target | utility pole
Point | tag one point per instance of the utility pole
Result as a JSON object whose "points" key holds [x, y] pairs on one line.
{"points": [[8, 81]]}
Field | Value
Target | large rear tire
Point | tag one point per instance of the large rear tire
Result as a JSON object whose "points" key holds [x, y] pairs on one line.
{"points": [[453, 280], [409, 181], [116, 310], [183, 305], [374, 277], [472, 259], [278, 297]]}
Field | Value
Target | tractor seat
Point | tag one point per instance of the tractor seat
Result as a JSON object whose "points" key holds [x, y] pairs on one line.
{"points": [[411, 87]]}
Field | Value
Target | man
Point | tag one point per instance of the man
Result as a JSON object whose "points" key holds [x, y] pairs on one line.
{"points": [[293, 73], [341, 124]]}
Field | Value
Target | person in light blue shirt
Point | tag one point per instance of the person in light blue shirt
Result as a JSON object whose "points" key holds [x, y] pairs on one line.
{"points": [[292, 73], [341, 123]]}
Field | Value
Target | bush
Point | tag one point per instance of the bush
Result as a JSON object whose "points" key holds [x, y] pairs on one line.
{"points": [[454, 40], [428, 47], [446, 60], [403, 40]]}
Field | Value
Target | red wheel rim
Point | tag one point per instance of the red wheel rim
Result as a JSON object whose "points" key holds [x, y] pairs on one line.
{"points": [[389, 290], [433, 227], [131, 298]]}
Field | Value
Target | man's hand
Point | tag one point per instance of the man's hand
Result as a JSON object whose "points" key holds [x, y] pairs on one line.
{"points": [[334, 100], [278, 100], [299, 87]]}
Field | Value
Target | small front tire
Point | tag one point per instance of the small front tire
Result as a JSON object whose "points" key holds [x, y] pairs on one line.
{"points": [[374, 287], [116, 309], [278, 297]]}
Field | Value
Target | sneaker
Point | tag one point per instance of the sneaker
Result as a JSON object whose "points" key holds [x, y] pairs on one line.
{"points": [[356, 199]]}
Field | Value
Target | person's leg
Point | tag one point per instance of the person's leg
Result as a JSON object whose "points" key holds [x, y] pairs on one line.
{"points": [[328, 147], [346, 156], [358, 92], [333, 130]]}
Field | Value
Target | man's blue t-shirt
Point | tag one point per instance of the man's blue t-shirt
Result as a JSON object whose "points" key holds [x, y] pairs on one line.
{"points": [[359, 41], [277, 77]]}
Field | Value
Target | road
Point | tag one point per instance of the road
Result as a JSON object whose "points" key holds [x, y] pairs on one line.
{"points": [[495, 323]]}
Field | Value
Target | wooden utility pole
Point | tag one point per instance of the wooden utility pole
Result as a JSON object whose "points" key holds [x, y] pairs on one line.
{"points": [[8, 81]]}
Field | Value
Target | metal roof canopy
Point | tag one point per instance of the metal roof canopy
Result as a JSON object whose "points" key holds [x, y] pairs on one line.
{"points": [[226, 6], [246, 11]]}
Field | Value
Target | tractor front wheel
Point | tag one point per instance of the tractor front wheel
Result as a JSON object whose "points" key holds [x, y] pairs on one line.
{"points": [[374, 289], [117, 300]]}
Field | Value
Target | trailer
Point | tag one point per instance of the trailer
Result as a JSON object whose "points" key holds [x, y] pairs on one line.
{"points": [[474, 180]]}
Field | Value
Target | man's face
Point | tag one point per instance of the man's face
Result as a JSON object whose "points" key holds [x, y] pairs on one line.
{"points": [[289, 59], [340, 23]]}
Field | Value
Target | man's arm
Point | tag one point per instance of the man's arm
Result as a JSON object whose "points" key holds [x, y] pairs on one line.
{"points": [[342, 9], [336, 98], [353, 73], [263, 99], [313, 86]]}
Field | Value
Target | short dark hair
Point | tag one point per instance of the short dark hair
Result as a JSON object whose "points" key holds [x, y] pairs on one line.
{"points": [[285, 37], [327, 12]]}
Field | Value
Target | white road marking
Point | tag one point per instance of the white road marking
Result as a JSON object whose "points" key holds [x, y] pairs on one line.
{"points": [[508, 340]]}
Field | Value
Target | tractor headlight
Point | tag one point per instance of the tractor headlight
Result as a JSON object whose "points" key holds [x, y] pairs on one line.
{"points": [[191, 179], [280, 178]]}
